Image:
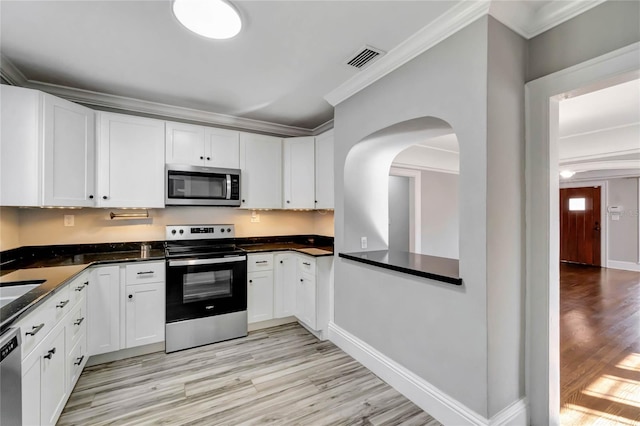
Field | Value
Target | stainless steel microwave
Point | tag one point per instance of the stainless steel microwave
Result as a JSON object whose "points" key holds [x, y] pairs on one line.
{"points": [[201, 186]]}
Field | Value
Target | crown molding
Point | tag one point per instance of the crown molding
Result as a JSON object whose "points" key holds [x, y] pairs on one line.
{"points": [[603, 165], [557, 12], [325, 127], [10, 73], [105, 100], [453, 20]]}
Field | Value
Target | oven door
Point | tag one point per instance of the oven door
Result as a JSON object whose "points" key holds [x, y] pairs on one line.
{"points": [[198, 288]]}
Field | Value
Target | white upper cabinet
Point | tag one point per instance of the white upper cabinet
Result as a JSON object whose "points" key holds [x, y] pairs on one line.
{"points": [[47, 150], [222, 148], [261, 165], [130, 161], [324, 171], [202, 146], [299, 173]]}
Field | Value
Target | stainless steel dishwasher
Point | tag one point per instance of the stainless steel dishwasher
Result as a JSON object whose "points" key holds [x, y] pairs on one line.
{"points": [[10, 378]]}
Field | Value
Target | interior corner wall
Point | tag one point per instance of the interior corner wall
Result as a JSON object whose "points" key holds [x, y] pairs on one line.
{"points": [[9, 228], [603, 29], [440, 213], [437, 331], [507, 54]]}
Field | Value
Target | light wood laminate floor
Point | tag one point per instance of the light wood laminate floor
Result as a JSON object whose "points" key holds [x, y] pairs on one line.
{"points": [[599, 346], [282, 375]]}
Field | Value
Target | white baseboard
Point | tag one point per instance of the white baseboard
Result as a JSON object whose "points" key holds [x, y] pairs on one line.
{"points": [[626, 266], [441, 406]]}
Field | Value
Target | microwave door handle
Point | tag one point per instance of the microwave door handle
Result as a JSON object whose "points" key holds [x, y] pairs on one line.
{"points": [[228, 197]]}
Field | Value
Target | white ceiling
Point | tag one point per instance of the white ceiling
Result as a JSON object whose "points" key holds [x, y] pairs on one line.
{"points": [[287, 57]]}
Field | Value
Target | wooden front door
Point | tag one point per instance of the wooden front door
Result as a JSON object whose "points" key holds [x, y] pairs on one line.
{"points": [[580, 225]]}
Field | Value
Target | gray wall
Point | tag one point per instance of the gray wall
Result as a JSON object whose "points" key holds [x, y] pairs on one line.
{"points": [[441, 332], [440, 214], [623, 233], [605, 28], [399, 213]]}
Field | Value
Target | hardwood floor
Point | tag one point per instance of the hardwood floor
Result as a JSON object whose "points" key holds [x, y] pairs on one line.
{"points": [[282, 375], [599, 346]]}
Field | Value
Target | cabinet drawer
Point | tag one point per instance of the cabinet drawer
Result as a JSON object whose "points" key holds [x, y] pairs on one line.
{"points": [[78, 289], [75, 362], [259, 262], [76, 324], [307, 265], [145, 272], [34, 327], [59, 304]]}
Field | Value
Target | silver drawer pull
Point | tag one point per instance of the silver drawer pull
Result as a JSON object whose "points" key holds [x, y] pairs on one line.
{"points": [[50, 353], [262, 261], [79, 321], [80, 287], [145, 273], [306, 263], [62, 304], [34, 330], [79, 360]]}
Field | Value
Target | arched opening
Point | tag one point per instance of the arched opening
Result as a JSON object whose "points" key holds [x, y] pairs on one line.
{"points": [[424, 198], [367, 179]]}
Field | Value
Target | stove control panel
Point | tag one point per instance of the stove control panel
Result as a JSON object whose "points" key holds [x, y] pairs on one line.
{"points": [[199, 232]]}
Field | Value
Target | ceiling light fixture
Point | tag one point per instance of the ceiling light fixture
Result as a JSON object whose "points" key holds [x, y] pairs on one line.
{"points": [[210, 18], [566, 174]]}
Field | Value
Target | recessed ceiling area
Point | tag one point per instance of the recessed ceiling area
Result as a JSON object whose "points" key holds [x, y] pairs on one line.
{"points": [[288, 55]]}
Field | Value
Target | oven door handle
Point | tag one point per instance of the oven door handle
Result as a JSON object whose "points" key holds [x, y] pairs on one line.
{"points": [[192, 262]]}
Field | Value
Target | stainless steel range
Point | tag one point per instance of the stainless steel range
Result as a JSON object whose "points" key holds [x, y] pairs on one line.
{"points": [[206, 286]]}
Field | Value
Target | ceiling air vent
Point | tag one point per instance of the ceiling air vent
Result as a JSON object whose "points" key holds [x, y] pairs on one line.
{"points": [[364, 56]]}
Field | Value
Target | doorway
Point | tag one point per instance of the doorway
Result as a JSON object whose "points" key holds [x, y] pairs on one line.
{"points": [[580, 225]]}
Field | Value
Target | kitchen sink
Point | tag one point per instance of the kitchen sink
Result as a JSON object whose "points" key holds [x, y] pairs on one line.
{"points": [[10, 291]]}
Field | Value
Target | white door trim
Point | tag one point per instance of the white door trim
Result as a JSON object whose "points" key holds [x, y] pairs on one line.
{"points": [[415, 202], [542, 370], [604, 202]]}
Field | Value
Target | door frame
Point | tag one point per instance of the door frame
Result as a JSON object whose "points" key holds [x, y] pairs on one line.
{"points": [[415, 205], [542, 303], [604, 219]]}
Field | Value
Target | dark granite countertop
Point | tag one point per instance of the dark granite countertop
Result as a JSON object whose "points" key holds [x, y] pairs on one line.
{"points": [[435, 268]]}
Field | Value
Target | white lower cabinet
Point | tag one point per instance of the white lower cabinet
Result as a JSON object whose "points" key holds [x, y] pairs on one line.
{"points": [[284, 292], [126, 306], [51, 368], [259, 287], [104, 308], [145, 314]]}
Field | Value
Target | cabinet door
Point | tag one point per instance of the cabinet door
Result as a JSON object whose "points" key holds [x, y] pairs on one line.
{"points": [[185, 144], [260, 296], [306, 299], [222, 148], [299, 173], [145, 307], [75, 362], [261, 165], [69, 153], [103, 309], [31, 371], [53, 380], [284, 297], [130, 161], [324, 171]]}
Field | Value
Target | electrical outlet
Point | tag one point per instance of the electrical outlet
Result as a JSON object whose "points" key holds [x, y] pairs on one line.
{"points": [[363, 242], [69, 220], [255, 217]]}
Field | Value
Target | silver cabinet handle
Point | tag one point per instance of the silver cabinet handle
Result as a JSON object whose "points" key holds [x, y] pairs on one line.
{"points": [[79, 360], [62, 304], [50, 353], [79, 321], [80, 287], [34, 330], [145, 273], [306, 263], [262, 261]]}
